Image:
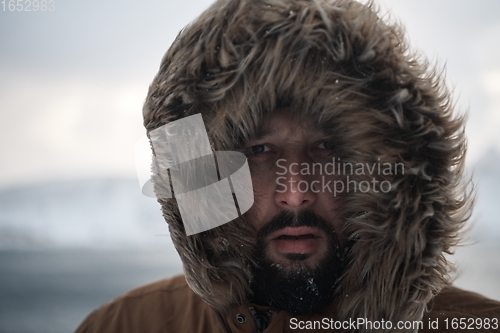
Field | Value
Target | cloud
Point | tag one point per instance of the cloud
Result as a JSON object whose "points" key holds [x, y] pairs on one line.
{"points": [[62, 127]]}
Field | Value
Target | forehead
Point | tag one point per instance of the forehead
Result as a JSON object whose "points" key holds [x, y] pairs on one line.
{"points": [[284, 122]]}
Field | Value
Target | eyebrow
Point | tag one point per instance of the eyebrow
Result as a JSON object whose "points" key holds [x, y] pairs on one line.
{"points": [[262, 134]]}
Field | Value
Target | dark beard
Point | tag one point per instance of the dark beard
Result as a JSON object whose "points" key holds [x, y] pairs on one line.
{"points": [[299, 289]]}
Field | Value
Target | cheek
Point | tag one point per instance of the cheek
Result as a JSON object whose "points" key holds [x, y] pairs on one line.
{"points": [[262, 208], [329, 200], [263, 180]]}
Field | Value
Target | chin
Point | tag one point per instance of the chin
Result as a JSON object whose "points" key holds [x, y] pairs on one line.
{"points": [[299, 283], [290, 262]]}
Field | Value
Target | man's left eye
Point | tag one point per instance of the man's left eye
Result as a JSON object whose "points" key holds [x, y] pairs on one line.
{"points": [[258, 149], [326, 145]]}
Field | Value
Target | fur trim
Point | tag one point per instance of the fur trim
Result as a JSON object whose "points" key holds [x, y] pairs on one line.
{"points": [[339, 63]]}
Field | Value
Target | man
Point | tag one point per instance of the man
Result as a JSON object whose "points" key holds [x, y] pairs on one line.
{"points": [[356, 160]]}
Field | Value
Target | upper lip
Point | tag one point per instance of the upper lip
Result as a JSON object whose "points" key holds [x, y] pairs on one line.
{"points": [[295, 232]]}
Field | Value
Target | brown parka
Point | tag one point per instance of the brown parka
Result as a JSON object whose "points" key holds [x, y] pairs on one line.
{"points": [[171, 306]]}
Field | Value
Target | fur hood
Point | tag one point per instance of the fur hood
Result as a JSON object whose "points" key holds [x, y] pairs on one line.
{"points": [[339, 63]]}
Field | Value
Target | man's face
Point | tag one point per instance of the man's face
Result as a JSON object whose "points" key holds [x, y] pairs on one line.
{"points": [[285, 164], [295, 214]]}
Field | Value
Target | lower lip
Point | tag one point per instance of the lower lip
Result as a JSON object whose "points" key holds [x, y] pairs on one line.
{"points": [[306, 245]]}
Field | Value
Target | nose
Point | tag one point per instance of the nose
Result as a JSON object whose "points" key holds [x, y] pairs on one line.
{"points": [[295, 188]]}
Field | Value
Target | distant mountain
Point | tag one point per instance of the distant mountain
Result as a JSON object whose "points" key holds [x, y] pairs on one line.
{"points": [[82, 213]]}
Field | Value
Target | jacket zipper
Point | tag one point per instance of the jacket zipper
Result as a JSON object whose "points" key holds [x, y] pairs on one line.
{"points": [[260, 319], [221, 323]]}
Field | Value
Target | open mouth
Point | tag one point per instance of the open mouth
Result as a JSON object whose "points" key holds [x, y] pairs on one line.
{"points": [[296, 240], [296, 233]]}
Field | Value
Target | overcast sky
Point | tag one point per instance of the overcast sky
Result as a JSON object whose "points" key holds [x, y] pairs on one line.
{"points": [[72, 81]]}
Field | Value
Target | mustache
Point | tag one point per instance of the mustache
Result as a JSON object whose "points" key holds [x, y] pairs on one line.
{"points": [[306, 218]]}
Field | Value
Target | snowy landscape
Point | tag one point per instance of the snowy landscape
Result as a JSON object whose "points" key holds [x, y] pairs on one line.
{"points": [[112, 213]]}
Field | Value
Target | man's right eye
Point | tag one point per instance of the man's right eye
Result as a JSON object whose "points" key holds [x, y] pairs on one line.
{"points": [[257, 149]]}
